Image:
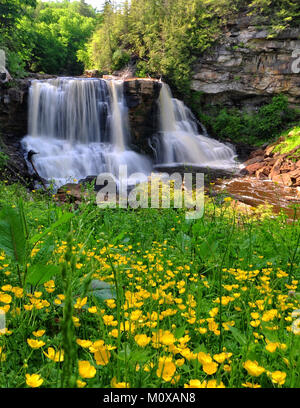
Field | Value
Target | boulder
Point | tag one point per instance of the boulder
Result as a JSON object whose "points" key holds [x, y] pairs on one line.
{"points": [[252, 168]]}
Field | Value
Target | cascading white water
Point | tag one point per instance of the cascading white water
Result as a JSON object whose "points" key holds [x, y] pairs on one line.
{"points": [[78, 128], [181, 142]]}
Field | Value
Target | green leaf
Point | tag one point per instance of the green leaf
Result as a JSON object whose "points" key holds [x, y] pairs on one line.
{"points": [[43, 255], [40, 273], [12, 236], [62, 220], [179, 332], [239, 337], [102, 290]]}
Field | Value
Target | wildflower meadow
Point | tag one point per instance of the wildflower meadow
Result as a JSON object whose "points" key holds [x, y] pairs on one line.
{"points": [[144, 298]]}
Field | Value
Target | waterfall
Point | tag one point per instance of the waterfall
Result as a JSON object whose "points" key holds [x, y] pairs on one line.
{"points": [[78, 128], [181, 142]]}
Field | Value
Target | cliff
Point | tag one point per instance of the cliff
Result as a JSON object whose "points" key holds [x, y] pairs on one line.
{"points": [[247, 68]]}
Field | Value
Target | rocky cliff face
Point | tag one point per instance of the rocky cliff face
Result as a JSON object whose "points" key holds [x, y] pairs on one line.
{"points": [[141, 97], [13, 124], [248, 68]]}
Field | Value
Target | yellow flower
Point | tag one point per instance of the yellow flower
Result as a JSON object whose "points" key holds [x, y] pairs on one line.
{"points": [[76, 321], [116, 384], [179, 362], [215, 384], [278, 377], [5, 298], [250, 385], [84, 343], [210, 368], [2, 355], [56, 356], [253, 368], [142, 340], [166, 368], [80, 303], [167, 338], [195, 384], [271, 347], [220, 358], [80, 384], [204, 358], [86, 370], [92, 309], [35, 344], [102, 356], [39, 333], [34, 380]]}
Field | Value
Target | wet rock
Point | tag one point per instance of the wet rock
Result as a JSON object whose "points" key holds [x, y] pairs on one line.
{"points": [[256, 159], [72, 193], [141, 97]]}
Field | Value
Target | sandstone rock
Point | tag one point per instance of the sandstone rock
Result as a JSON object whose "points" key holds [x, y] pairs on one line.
{"points": [[263, 173], [276, 168], [283, 178], [252, 168], [247, 67], [256, 159], [287, 167], [257, 153]]}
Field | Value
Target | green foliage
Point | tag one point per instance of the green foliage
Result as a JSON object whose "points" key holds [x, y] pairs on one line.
{"points": [[12, 235], [46, 36], [166, 36], [3, 160], [17, 244], [254, 128], [170, 275], [291, 140]]}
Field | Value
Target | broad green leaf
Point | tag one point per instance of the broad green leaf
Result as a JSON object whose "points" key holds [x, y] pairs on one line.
{"points": [[40, 273], [43, 255], [12, 237], [102, 290], [239, 337]]}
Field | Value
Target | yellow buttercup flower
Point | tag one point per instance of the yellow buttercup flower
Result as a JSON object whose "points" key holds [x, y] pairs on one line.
{"points": [[278, 377], [195, 384], [84, 343], [210, 368], [250, 385], [35, 344], [86, 370], [80, 303], [142, 340], [253, 368], [166, 368], [53, 355], [39, 333], [80, 384], [204, 358], [116, 384], [102, 356], [34, 380]]}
